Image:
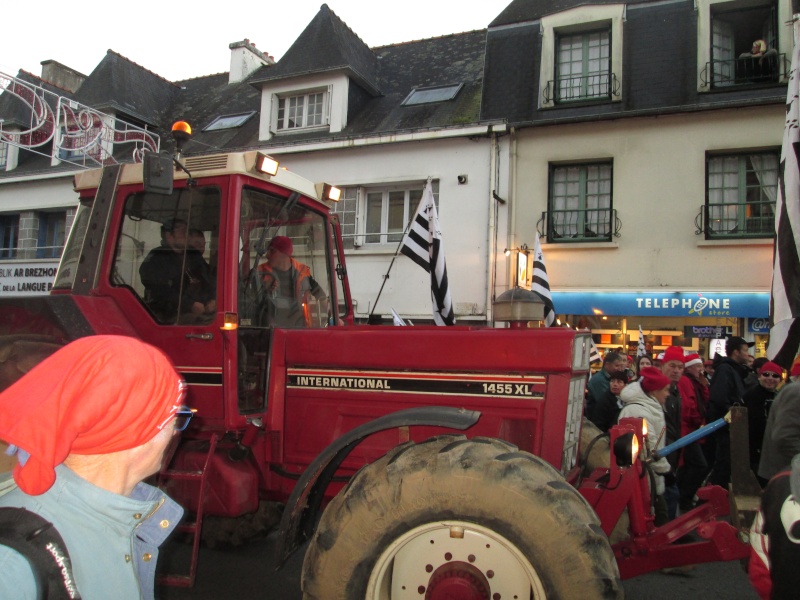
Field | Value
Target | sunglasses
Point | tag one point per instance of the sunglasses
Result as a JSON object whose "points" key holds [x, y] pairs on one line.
{"points": [[771, 375], [183, 416]]}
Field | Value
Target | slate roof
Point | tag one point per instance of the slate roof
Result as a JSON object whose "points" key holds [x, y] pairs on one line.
{"points": [[326, 44], [520, 11], [202, 99], [450, 59], [13, 110], [119, 85]]}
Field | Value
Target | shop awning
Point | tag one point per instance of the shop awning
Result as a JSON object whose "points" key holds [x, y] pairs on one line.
{"points": [[663, 304]]}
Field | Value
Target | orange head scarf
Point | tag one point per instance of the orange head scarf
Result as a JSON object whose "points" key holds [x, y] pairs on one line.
{"points": [[97, 395]]}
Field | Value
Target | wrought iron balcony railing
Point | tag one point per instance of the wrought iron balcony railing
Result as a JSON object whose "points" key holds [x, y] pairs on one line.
{"points": [[587, 225], [576, 88], [769, 68], [733, 221]]}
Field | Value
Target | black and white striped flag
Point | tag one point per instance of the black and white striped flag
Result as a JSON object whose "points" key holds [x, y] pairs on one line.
{"points": [[541, 284], [784, 303], [594, 353], [641, 349], [423, 244]]}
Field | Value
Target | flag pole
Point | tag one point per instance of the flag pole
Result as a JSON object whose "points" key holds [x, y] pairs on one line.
{"points": [[391, 264]]}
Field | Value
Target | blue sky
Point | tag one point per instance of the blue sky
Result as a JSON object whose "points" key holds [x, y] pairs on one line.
{"points": [[196, 42]]}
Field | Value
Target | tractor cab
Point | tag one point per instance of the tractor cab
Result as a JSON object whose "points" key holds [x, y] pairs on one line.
{"points": [[205, 260]]}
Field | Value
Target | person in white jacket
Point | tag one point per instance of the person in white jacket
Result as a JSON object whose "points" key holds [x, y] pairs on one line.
{"points": [[644, 399]]}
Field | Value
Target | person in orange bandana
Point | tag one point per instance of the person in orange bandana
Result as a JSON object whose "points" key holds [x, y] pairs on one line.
{"points": [[89, 424]]}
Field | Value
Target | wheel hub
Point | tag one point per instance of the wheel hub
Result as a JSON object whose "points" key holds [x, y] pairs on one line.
{"points": [[457, 581]]}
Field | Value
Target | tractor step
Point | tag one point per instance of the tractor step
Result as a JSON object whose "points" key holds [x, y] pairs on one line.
{"points": [[194, 527]]}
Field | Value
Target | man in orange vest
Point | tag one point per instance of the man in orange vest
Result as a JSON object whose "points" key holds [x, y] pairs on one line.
{"points": [[288, 284]]}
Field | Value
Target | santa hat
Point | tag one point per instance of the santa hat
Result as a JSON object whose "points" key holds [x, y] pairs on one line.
{"points": [[653, 379], [770, 367], [673, 353], [96, 395], [692, 359]]}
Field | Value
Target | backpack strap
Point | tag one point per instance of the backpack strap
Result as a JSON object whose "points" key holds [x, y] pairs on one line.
{"points": [[40, 543]]}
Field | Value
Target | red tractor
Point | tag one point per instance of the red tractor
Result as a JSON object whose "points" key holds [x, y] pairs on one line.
{"points": [[354, 428]]}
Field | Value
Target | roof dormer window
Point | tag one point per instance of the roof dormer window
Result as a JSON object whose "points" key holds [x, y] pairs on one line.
{"points": [[304, 110], [431, 94], [229, 121]]}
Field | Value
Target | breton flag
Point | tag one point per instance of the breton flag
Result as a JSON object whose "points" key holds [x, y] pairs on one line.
{"points": [[541, 284], [594, 353], [423, 244], [784, 303], [641, 349]]}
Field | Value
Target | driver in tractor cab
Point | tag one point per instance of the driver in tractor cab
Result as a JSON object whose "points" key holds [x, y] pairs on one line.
{"points": [[177, 278], [288, 284]]}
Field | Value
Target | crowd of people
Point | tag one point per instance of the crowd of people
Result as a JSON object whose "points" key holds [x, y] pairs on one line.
{"points": [[678, 393]]}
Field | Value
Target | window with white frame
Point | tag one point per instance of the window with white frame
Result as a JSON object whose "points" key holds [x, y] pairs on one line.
{"points": [[583, 66], [379, 214], [741, 195], [301, 111], [347, 208], [3, 155], [580, 207]]}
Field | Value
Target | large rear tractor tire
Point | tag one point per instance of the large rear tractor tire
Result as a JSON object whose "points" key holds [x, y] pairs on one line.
{"points": [[459, 518]]}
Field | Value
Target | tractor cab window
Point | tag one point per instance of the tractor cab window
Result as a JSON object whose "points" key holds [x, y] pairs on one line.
{"points": [[167, 254], [284, 281], [284, 264]]}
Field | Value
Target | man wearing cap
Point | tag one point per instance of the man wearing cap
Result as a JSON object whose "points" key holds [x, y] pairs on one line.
{"points": [[288, 284], [758, 399], [693, 388], [89, 423], [726, 389], [782, 433], [775, 538]]}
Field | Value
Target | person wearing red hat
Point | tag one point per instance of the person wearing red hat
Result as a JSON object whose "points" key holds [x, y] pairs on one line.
{"points": [[758, 399], [693, 388], [782, 433], [288, 284], [645, 399], [89, 423]]}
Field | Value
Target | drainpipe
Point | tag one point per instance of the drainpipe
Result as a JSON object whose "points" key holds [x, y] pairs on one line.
{"points": [[512, 200], [491, 250]]}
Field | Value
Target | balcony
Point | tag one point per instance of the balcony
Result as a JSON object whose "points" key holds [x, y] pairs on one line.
{"points": [[736, 221], [574, 226], [772, 68], [581, 88]]}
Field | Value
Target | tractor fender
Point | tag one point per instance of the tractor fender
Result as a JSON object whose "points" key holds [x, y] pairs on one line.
{"points": [[300, 515]]}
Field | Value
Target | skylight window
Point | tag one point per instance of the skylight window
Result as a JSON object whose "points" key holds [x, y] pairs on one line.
{"points": [[428, 95], [229, 121]]}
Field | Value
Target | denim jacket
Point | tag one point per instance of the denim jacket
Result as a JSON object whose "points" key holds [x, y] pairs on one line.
{"points": [[112, 540]]}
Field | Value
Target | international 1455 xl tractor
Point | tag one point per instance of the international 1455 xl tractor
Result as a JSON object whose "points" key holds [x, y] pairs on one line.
{"points": [[416, 462]]}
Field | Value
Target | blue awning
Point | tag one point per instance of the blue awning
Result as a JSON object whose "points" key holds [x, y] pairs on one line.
{"points": [[663, 304]]}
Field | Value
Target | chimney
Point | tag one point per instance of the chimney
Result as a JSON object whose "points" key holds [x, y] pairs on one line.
{"points": [[246, 58], [62, 76]]}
